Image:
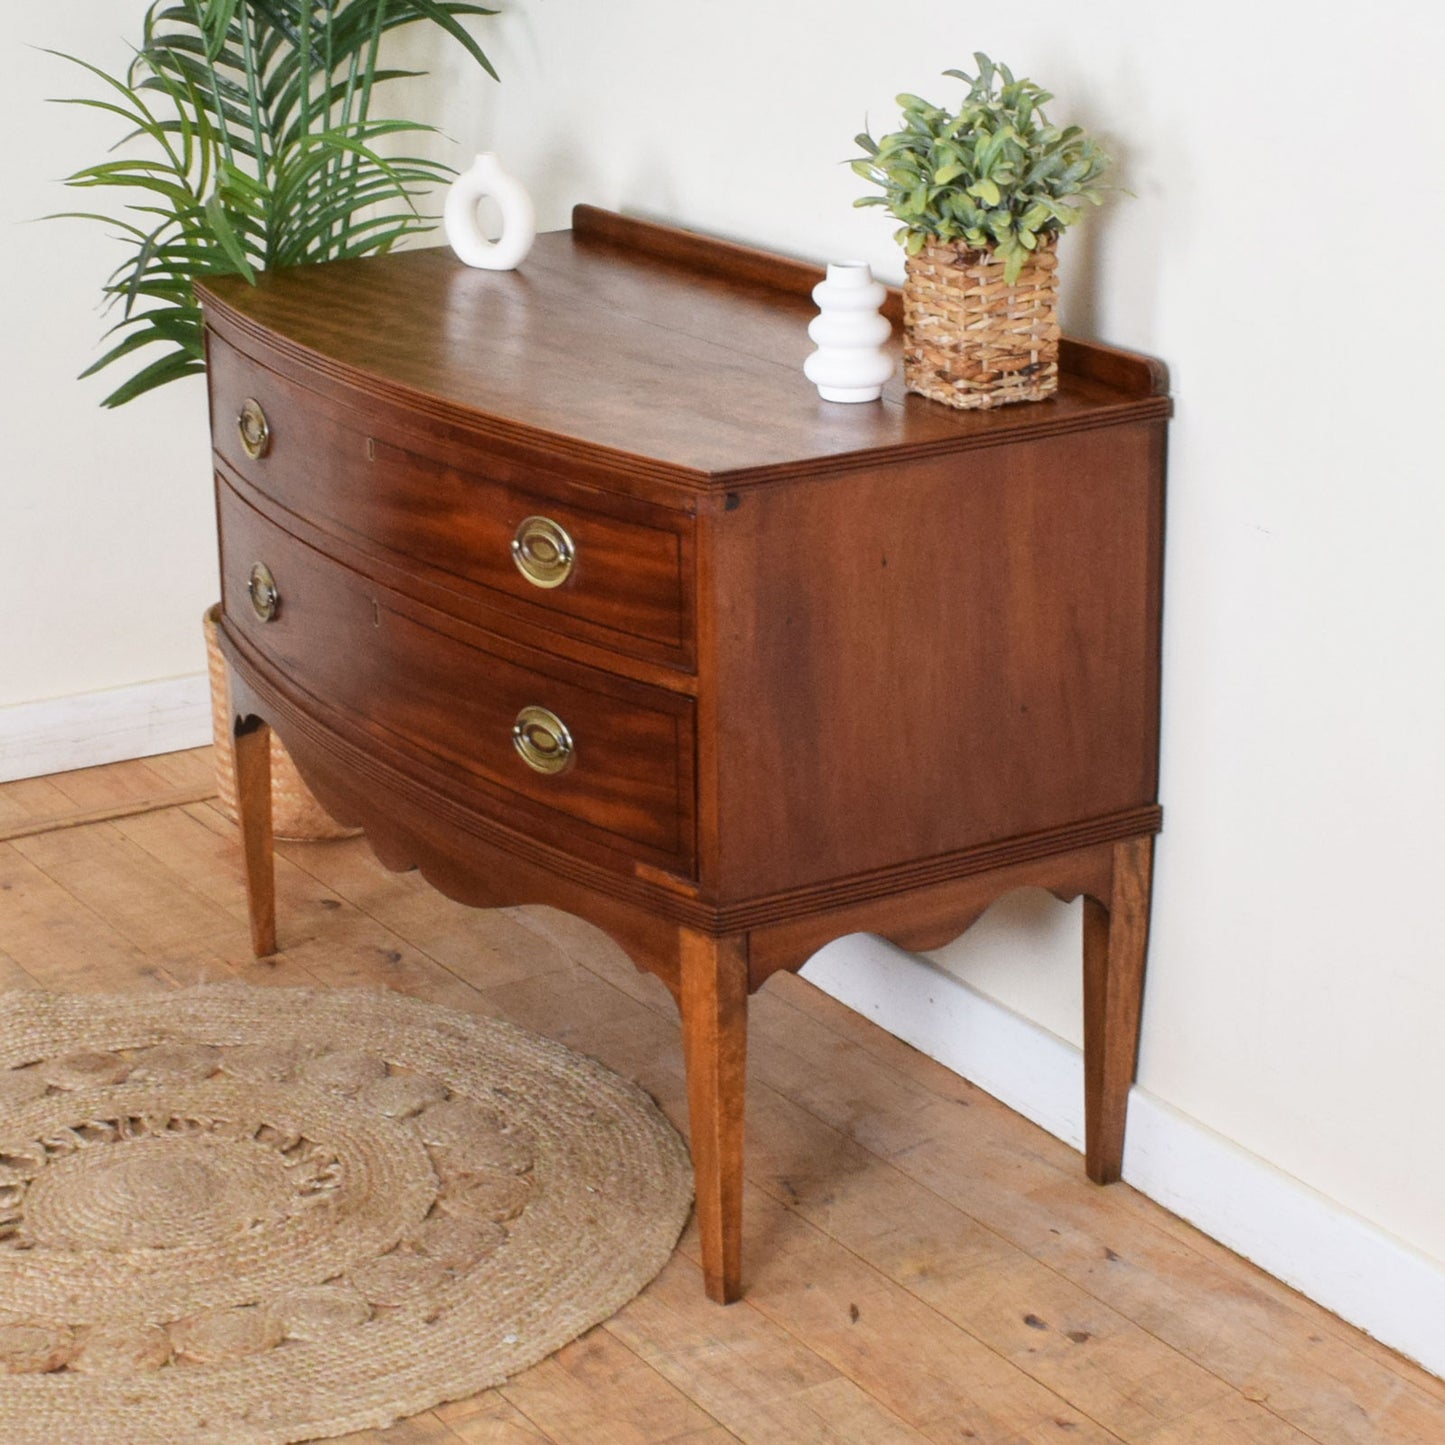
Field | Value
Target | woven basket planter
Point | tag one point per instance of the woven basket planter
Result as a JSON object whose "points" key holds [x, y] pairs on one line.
{"points": [[295, 814], [973, 340]]}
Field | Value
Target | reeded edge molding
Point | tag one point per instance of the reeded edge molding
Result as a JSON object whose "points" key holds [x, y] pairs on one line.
{"points": [[1312, 1243], [1153, 409], [110, 726], [886, 882]]}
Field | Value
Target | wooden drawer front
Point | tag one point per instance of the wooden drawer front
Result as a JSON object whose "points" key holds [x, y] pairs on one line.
{"points": [[630, 578], [448, 696]]}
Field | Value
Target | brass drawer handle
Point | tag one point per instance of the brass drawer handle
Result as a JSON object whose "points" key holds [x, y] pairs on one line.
{"points": [[254, 428], [542, 741], [262, 590], [543, 551]]}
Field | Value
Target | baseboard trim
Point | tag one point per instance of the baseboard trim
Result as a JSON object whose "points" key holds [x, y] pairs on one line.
{"points": [[91, 728], [1335, 1257]]}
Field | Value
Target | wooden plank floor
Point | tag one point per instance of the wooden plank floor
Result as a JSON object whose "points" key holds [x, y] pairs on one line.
{"points": [[922, 1264]]}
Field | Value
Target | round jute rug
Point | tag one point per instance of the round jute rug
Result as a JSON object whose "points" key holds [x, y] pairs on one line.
{"points": [[266, 1215]]}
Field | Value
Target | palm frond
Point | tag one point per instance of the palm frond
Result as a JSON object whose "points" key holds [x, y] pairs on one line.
{"points": [[249, 144]]}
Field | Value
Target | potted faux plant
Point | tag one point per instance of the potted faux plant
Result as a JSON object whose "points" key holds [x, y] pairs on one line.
{"points": [[252, 145], [982, 193]]}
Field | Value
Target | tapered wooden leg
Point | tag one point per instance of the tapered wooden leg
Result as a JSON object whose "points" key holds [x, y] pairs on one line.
{"points": [[253, 803], [714, 1003], [1115, 941]]}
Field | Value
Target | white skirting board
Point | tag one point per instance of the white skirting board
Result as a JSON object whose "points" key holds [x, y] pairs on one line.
{"points": [[1337, 1258], [104, 727]]}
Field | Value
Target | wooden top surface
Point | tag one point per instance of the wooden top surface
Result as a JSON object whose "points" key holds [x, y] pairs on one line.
{"points": [[634, 343]]}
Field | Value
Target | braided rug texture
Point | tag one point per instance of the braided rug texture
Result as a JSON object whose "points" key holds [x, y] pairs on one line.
{"points": [[266, 1215]]}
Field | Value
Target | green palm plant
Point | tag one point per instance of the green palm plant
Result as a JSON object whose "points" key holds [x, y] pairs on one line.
{"points": [[251, 145]]}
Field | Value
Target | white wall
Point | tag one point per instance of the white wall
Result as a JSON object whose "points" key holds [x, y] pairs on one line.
{"points": [[106, 520], [1277, 252]]}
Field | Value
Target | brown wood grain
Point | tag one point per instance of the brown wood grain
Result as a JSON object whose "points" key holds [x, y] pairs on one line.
{"points": [[1116, 939], [916, 660], [826, 668], [714, 1004], [253, 804], [630, 585], [446, 699]]}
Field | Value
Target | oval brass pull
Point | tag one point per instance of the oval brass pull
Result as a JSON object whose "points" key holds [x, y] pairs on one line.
{"points": [[542, 741], [254, 428], [261, 588], [543, 551]]}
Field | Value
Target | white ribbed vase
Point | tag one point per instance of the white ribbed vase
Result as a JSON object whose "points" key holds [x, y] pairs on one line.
{"points": [[850, 363]]}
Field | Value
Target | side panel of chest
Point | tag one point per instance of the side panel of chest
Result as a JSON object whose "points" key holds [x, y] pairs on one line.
{"points": [[915, 661]]}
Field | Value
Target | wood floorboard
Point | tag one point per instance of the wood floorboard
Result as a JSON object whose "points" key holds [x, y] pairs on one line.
{"points": [[488, 1419], [949, 1385], [111, 785], [59, 941], [193, 768], [30, 799], [923, 1265], [1193, 1253], [753, 1377], [426, 1429], [1131, 1254], [12, 976], [598, 1389]]}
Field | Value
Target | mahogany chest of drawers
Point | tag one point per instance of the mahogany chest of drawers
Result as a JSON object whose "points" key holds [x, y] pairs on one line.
{"points": [[565, 586]]}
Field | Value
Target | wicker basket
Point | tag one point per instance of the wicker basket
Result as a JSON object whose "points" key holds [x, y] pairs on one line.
{"points": [[972, 340], [295, 813]]}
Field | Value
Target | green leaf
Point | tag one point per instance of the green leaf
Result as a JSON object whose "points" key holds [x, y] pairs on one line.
{"points": [[216, 23], [227, 239], [993, 173], [267, 153], [445, 17], [133, 342], [158, 373], [1035, 216], [105, 220]]}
